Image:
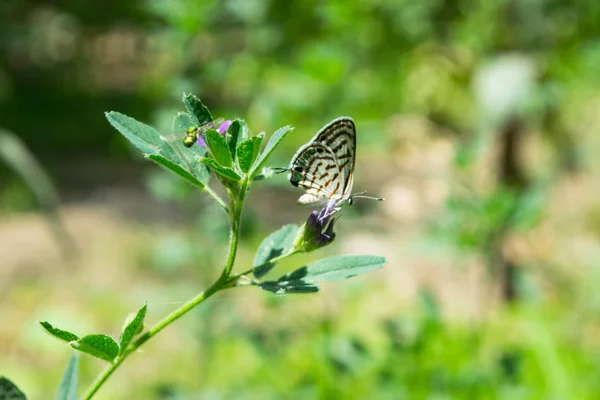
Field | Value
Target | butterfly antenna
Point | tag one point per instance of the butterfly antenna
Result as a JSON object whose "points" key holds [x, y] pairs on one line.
{"points": [[280, 170], [361, 195]]}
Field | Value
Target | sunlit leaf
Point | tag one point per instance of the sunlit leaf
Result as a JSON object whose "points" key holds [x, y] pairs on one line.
{"points": [[98, 345], [133, 328], [274, 141], [59, 333], [67, 390], [334, 268], [170, 153], [142, 136]]}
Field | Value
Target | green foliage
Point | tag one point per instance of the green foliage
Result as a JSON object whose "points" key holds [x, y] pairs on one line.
{"points": [[272, 144], [197, 110], [59, 333], [334, 268], [237, 133], [67, 390], [134, 327], [328, 269], [97, 345], [150, 142], [183, 161], [189, 156], [288, 287], [377, 61], [275, 245], [10, 391], [247, 153], [225, 173], [218, 148], [171, 166], [142, 136]]}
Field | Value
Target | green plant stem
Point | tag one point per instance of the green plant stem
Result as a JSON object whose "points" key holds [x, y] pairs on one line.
{"points": [[234, 278], [216, 198], [236, 211], [222, 283]]}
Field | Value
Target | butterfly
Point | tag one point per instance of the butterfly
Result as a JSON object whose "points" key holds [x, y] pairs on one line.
{"points": [[324, 167]]}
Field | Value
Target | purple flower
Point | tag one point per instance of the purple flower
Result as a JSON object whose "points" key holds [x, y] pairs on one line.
{"points": [[224, 126], [318, 229]]}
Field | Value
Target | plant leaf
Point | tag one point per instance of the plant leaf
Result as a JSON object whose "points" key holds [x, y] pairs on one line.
{"points": [[274, 141], [10, 391], [142, 136], [59, 333], [236, 134], [223, 172], [218, 148], [196, 109], [67, 390], [288, 287], [132, 329], [277, 243], [258, 139], [168, 164], [150, 142], [190, 155], [98, 345], [246, 154], [334, 268]]}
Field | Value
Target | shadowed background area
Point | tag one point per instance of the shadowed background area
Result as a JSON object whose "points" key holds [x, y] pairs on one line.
{"points": [[477, 121]]}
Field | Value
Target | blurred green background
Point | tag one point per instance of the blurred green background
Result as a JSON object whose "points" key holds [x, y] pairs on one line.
{"points": [[477, 121]]}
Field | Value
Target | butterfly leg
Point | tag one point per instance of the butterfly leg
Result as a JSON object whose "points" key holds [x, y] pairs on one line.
{"points": [[328, 211]]}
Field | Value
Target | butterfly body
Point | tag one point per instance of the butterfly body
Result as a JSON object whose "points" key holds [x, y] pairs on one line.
{"points": [[324, 167]]}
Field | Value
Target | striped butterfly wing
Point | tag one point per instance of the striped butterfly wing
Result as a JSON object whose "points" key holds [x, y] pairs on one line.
{"points": [[324, 167], [340, 136], [315, 170]]}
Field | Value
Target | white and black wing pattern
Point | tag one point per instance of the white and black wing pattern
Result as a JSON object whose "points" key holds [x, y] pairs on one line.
{"points": [[324, 167], [340, 137]]}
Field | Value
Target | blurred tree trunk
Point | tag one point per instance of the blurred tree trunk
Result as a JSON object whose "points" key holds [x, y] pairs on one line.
{"points": [[512, 178]]}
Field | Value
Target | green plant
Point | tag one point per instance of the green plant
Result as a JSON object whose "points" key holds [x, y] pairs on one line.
{"points": [[235, 158]]}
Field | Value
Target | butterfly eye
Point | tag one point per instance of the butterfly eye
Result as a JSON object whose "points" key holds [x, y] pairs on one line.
{"points": [[298, 169]]}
